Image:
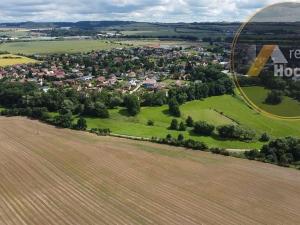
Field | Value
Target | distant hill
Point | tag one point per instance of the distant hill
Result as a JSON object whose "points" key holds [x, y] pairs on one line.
{"points": [[189, 31], [97, 24], [80, 24]]}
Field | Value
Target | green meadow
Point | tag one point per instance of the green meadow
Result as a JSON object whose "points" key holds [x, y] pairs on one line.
{"points": [[60, 46], [288, 107], [215, 110]]}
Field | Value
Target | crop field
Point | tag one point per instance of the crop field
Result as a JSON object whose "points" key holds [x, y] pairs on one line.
{"points": [[62, 46], [153, 42], [9, 60], [177, 30], [57, 176], [219, 110]]}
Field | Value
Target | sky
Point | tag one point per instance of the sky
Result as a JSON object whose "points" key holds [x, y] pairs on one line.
{"points": [[130, 10]]}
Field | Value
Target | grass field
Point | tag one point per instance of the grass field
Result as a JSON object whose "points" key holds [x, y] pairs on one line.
{"points": [[11, 32], [215, 110], [64, 177], [63, 46], [289, 107], [9, 59]]}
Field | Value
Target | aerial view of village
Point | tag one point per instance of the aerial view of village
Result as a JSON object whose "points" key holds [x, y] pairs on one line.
{"points": [[149, 121]]}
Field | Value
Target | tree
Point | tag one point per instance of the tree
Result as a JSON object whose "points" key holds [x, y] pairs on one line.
{"points": [[174, 107], [94, 72], [182, 127], [53, 99], [264, 137], [150, 123], [174, 124], [236, 132], [39, 113], [79, 109], [154, 99], [189, 121], [282, 151], [203, 128], [81, 124], [132, 104], [29, 75], [226, 131], [274, 97], [180, 137], [67, 106], [101, 110], [114, 102], [64, 120]]}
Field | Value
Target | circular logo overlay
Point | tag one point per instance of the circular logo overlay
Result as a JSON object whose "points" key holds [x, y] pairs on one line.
{"points": [[265, 61]]}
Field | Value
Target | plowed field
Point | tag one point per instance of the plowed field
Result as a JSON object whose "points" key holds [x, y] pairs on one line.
{"points": [[56, 176]]}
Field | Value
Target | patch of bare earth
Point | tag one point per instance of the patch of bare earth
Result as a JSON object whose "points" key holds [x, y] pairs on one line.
{"points": [[56, 176]]}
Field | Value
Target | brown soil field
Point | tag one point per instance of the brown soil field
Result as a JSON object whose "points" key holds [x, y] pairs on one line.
{"points": [[57, 176]]}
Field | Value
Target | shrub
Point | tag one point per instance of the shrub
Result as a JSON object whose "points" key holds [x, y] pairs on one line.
{"points": [[203, 128], [39, 113], [236, 132], [101, 132], [196, 145], [81, 124], [252, 154], [220, 151]]}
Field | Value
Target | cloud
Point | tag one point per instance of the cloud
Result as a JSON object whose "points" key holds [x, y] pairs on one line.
{"points": [[138, 10]]}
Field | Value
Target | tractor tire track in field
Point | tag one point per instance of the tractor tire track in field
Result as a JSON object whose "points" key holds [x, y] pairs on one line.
{"points": [[57, 176]]}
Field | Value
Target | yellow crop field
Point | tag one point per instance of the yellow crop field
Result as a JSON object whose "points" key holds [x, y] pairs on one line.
{"points": [[9, 60]]}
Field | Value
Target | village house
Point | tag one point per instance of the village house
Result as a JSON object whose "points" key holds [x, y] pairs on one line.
{"points": [[101, 79], [86, 78], [149, 83], [132, 74]]}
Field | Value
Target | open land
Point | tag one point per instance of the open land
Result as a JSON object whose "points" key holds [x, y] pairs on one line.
{"points": [[57, 176], [76, 46], [62, 46], [218, 110]]}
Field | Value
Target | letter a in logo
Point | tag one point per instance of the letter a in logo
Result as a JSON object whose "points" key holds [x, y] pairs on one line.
{"points": [[264, 55]]}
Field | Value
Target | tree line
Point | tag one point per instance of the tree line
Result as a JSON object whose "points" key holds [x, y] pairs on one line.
{"points": [[281, 151]]}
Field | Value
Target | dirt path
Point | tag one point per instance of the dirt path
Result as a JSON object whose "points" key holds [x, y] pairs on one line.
{"points": [[56, 176]]}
